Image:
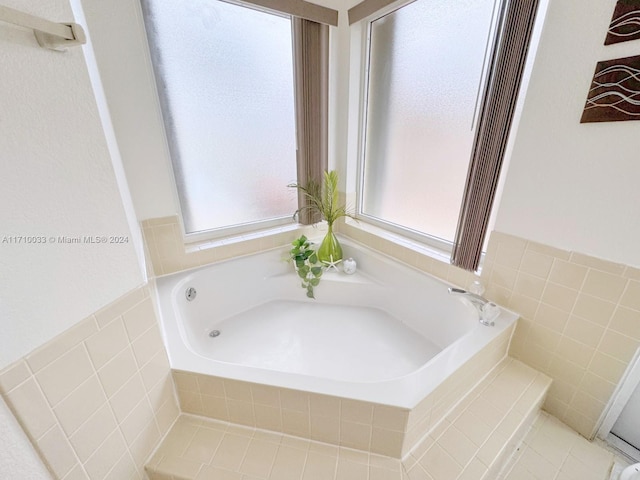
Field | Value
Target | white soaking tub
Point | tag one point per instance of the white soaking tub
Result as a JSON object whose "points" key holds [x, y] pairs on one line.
{"points": [[387, 334]]}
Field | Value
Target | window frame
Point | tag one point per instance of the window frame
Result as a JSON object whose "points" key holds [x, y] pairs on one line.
{"points": [[292, 10], [515, 36], [431, 241]]}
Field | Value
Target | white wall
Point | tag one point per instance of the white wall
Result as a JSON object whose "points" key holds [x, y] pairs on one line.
{"points": [[57, 180], [571, 185]]}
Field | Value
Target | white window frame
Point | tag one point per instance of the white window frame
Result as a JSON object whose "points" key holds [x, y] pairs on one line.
{"points": [[361, 42]]}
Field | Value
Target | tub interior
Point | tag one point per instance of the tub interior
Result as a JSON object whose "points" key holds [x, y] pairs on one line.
{"points": [[341, 342]]}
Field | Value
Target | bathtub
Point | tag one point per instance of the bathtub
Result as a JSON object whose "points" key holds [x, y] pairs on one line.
{"points": [[387, 334]]}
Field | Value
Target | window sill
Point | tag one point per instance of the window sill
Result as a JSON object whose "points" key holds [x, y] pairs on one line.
{"points": [[417, 255]]}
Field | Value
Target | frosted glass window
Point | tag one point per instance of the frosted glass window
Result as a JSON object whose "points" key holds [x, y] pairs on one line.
{"points": [[426, 65], [225, 78]]}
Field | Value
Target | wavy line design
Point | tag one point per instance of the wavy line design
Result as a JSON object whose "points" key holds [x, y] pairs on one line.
{"points": [[625, 24], [615, 91]]}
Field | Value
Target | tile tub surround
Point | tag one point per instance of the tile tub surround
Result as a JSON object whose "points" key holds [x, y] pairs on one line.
{"points": [[580, 321], [96, 400], [167, 252], [387, 430], [471, 443]]}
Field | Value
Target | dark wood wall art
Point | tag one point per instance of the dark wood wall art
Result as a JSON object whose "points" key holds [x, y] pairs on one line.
{"points": [[615, 92], [625, 24]]}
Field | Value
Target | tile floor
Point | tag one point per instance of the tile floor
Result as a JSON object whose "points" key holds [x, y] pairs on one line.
{"points": [[550, 451], [553, 451]]}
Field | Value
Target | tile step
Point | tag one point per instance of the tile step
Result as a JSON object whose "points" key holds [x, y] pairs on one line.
{"points": [[473, 442]]}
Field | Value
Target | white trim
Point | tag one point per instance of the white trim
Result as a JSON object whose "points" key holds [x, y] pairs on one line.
{"points": [[629, 382], [624, 448]]}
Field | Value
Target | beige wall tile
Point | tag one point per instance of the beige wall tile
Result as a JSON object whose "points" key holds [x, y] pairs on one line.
{"points": [[136, 421], [537, 264], [549, 250], [13, 375], [269, 418], [237, 390], [631, 297], [65, 374], [127, 398], [107, 343], [325, 429], [156, 369], [265, 395], [618, 346], [356, 411], [214, 407], [563, 370], [107, 455], [626, 321], [77, 473], [117, 372], [296, 423], [597, 387], [125, 468], [529, 286], [144, 444], [56, 450], [551, 317], [560, 297], [386, 442], [324, 405], [607, 367], [568, 274], [147, 345], [523, 305], [584, 331], [60, 345], [83, 402], [294, 400], [510, 252], [503, 277], [211, 386], [166, 414], [391, 418], [355, 435], [594, 309], [139, 319], [604, 285], [597, 263], [31, 408], [579, 353], [95, 430], [241, 412]]}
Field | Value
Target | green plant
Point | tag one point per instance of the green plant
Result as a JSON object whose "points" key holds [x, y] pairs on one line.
{"points": [[307, 265], [323, 199]]}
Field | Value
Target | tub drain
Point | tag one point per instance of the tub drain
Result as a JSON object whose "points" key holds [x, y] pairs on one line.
{"points": [[214, 333]]}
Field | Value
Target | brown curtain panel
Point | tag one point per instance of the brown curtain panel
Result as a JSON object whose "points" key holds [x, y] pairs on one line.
{"points": [[507, 63], [311, 66]]}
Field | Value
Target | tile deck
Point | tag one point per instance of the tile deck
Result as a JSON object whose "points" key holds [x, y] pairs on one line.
{"points": [[472, 443]]}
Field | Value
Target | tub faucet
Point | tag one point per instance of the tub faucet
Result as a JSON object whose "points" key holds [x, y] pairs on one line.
{"points": [[487, 311]]}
